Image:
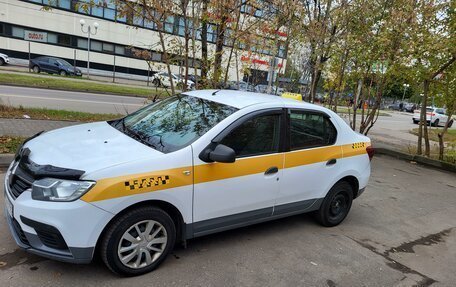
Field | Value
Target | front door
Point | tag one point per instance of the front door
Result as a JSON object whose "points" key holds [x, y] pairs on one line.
{"points": [[232, 194]]}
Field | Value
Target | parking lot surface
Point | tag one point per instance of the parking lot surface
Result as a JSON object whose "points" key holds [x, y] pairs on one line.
{"points": [[400, 232]]}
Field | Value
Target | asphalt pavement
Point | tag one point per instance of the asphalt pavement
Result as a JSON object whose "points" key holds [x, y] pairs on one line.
{"points": [[72, 101], [400, 232]]}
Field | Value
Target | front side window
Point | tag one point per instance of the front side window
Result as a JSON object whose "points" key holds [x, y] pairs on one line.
{"points": [[173, 123], [257, 136], [309, 129]]}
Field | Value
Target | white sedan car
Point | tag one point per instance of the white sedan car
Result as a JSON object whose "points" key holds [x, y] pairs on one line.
{"points": [[161, 79], [4, 59], [434, 116], [187, 166]]}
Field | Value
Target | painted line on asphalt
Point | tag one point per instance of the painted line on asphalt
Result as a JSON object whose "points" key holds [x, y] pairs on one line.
{"points": [[71, 100]]}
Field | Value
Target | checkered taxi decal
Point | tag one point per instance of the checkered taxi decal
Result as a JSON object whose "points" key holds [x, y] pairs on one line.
{"points": [[146, 182]]}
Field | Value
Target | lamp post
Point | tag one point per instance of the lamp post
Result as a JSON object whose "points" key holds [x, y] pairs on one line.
{"points": [[405, 89], [89, 33]]}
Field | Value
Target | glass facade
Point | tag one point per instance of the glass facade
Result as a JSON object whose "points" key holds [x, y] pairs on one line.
{"points": [[105, 9]]}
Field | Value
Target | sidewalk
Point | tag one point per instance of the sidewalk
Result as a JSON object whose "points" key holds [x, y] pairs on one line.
{"points": [[28, 127]]}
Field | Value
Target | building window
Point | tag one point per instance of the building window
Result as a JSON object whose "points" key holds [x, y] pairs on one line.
{"points": [[52, 38], [96, 46], [107, 47], [65, 4], [82, 43], [18, 32], [156, 57], [64, 40], [120, 50], [211, 33], [2, 30], [169, 24]]}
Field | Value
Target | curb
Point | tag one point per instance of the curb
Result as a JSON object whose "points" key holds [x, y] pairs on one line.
{"points": [[417, 158], [5, 160]]}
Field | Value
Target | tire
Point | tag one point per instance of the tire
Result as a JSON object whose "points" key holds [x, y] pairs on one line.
{"points": [[2, 62], [156, 82], [115, 239], [450, 124], [36, 69], [415, 122], [336, 205], [436, 123], [62, 73]]}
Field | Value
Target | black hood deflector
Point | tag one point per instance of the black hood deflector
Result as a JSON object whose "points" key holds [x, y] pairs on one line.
{"points": [[38, 171]]}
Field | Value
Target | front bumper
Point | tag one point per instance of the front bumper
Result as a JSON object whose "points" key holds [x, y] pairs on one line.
{"points": [[64, 231]]}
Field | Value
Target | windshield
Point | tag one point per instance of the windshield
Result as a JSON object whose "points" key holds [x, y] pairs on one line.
{"points": [[173, 123]]}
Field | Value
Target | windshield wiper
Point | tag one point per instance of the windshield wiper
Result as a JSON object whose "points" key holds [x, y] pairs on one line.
{"points": [[137, 135]]}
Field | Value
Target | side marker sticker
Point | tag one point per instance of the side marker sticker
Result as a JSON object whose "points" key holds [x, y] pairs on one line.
{"points": [[146, 182], [358, 145]]}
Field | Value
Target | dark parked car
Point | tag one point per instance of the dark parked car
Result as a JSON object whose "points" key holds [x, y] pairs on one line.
{"points": [[53, 66]]}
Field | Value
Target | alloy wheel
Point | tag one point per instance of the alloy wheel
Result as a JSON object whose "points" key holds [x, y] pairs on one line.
{"points": [[142, 244]]}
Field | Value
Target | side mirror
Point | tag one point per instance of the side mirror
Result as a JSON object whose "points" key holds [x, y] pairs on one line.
{"points": [[221, 153]]}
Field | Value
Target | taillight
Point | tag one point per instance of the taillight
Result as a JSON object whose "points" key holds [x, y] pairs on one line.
{"points": [[370, 152], [432, 114]]}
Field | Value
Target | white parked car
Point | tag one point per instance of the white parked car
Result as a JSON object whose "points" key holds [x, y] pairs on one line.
{"points": [[161, 79], [181, 168], [434, 116], [4, 59]]}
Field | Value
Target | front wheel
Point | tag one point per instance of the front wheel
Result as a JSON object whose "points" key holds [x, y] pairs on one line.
{"points": [[156, 82], [436, 123], [138, 241], [62, 73], [415, 121], [336, 205], [450, 124]]}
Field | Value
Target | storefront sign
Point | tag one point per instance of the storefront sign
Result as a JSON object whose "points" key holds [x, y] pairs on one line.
{"points": [[35, 36]]}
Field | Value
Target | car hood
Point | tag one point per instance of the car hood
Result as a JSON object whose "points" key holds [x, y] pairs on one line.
{"points": [[88, 147]]}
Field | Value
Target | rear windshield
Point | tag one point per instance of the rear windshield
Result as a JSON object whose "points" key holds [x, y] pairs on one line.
{"points": [[173, 123], [429, 109]]}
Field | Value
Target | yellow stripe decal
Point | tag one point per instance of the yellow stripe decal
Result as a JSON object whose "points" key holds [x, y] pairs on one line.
{"points": [[132, 184]]}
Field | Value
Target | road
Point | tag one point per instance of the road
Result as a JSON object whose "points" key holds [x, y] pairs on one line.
{"points": [[74, 101], [400, 232]]}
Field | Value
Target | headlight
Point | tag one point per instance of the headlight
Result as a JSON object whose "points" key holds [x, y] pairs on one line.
{"points": [[51, 189]]}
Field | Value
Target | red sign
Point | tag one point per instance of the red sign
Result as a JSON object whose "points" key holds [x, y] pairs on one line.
{"points": [[35, 36]]}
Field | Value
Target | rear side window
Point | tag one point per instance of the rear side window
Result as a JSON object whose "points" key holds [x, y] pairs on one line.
{"points": [[309, 129], [256, 136]]}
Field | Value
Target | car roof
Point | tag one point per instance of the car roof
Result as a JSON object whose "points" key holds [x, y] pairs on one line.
{"points": [[242, 99]]}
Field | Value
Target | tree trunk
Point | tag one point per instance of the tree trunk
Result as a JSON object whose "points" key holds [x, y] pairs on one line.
{"points": [[444, 131], [355, 102], [427, 150], [221, 29], [204, 54], [165, 59]]}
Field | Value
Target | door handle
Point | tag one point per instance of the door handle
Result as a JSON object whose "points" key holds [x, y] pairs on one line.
{"points": [[271, 170], [331, 161]]}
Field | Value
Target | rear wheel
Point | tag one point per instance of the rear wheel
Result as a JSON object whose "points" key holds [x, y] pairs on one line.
{"points": [[138, 241], [2, 62], [36, 69], [336, 205]]}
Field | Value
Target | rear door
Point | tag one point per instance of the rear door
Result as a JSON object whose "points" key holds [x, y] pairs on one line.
{"points": [[311, 162], [43, 62]]}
